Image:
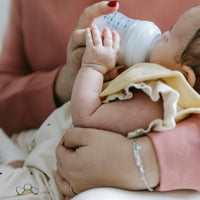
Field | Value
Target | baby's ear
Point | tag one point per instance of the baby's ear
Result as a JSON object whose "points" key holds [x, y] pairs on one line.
{"points": [[189, 74]]}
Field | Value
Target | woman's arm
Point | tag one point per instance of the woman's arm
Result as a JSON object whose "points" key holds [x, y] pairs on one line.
{"points": [[76, 48], [111, 162], [23, 93], [170, 158], [33, 73]]}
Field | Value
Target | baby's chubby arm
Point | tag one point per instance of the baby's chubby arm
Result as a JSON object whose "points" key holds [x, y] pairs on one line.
{"points": [[87, 109], [100, 56]]}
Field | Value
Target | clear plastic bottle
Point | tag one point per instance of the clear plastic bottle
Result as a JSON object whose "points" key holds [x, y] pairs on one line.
{"points": [[138, 37]]}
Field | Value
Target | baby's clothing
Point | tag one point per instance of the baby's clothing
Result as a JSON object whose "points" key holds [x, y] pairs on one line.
{"points": [[9, 151], [23, 183], [37, 178]]}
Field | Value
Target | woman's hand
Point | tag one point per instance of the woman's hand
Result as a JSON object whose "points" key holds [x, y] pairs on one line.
{"points": [[75, 50], [90, 158]]}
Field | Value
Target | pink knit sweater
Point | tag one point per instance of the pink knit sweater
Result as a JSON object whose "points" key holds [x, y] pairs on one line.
{"points": [[34, 48]]}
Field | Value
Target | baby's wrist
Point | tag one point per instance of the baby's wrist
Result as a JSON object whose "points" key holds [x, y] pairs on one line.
{"points": [[97, 67]]}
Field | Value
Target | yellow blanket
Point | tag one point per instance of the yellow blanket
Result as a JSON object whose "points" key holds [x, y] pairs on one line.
{"points": [[189, 99]]}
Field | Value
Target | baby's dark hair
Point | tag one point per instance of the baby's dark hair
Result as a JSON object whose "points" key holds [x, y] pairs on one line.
{"points": [[191, 57]]}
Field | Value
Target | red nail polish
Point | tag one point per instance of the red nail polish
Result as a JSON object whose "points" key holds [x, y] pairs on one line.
{"points": [[112, 3]]}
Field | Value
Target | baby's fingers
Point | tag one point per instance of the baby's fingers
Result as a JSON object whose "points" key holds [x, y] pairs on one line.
{"points": [[93, 36], [88, 37], [107, 37], [116, 40], [96, 36]]}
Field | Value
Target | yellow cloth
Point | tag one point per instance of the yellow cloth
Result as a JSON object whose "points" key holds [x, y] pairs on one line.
{"points": [[189, 99]]}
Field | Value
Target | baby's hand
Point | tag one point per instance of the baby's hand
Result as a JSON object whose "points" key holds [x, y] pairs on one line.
{"points": [[101, 52]]}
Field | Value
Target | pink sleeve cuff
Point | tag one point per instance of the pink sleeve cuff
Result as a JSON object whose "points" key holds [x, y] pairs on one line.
{"points": [[178, 154]]}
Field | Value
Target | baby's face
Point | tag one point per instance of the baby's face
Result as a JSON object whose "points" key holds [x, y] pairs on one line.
{"points": [[169, 50], [164, 53]]}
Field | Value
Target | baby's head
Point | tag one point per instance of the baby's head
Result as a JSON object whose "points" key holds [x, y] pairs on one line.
{"points": [[179, 48]]}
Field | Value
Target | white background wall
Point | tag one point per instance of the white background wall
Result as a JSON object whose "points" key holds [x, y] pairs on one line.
{"points": [[4, 6]]}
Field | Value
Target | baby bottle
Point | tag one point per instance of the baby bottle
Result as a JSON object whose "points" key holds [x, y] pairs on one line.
{"points": [[137, 37]]}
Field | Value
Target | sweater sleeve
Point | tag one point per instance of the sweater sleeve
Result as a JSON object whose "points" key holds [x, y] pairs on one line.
{"points": [[178, 155], [26, 99], [25, 102]]}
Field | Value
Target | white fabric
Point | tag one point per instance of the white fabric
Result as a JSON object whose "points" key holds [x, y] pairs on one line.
{"points": [[40, 165], [9, 151], [117, 194], [41, 147], [44, 161], [23, 184]]}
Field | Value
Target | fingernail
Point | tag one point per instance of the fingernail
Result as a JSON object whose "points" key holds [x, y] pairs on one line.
{"points": [[119, 71], [112, 3]]}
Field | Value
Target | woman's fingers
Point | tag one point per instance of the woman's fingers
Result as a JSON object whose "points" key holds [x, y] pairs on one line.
{"points": [[64, 164], [96, 10], [77, 39], [83, 167], [74, 138], [64, 186]]}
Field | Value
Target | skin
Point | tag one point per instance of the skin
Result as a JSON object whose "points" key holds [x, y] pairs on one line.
{"points": [[100, 56], [93, 144], [168, 51], [75, 50], [90, 153], [98, 151], [17, 164], [175, 41]]}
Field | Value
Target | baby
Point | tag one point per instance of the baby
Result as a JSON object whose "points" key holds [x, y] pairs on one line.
{"points": [[178, 50]]}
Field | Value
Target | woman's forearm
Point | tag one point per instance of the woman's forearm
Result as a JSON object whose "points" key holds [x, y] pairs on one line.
{"points": [[149, 162], [111, 163]]}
